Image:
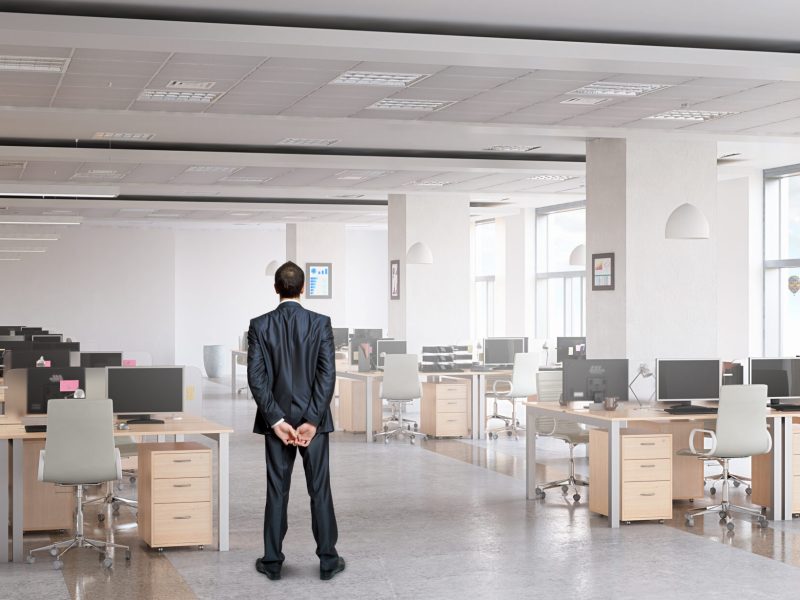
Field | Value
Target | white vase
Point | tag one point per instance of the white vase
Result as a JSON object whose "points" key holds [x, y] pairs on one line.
{"points": [[214, 360]]}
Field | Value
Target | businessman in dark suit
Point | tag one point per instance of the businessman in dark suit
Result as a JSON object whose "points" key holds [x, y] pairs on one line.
{"points": [[291, 372]]}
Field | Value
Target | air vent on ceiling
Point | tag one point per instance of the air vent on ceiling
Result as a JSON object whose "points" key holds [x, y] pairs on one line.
{"points": [[410, 104], [617, 88], [177, 84], [587, 100], [178, 96], [697, 116], [126, 136], [377, 78]]}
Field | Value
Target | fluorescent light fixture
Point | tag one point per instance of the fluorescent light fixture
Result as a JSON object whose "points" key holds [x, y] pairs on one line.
{"points": [[178, 96], [379, 78], [9, 259], [252, 180], [211, 169], [165, 215], [697, 116], [136, 210], [12, 164], [550, 178], [511, 148], [105, 174], [28, 239], [359, 175], [123, 136], [5, 222], [58, 212], [53, 195], [291, 141], [348, 196], [616, 88], [240, 214], [23, 250], [586, 101], [190, 85], [431, 183], [33, 64], [410, 104]]}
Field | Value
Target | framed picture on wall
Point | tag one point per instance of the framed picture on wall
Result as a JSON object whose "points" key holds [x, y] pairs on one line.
{"points": [[319, 280], [394, 280], [603, 271]]}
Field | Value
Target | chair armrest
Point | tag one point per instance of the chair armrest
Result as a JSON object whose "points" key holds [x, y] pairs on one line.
{"points": [[40, 475], [769, 437], [504, 392], [539, 420], [118, 461], [711, 434]]}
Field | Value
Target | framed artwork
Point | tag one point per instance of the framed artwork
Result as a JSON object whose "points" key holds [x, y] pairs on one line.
{"points": [[603, 271], [394, 279], [319, 281]]}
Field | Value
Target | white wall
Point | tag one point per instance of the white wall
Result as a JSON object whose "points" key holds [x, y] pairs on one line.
{"points": [[220, 285], [109, 288], [367, 279]]}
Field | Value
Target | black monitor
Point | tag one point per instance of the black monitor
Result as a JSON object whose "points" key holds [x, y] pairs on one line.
{"points": [[595, 380], [389, 347], [499, 352], [146, 391], [47, 383], [101, 359], [732, 373], [684, 380], [780, 375], [27, 359], [362, 336], [70, 346], [29, 332], [10, 329], [341, 336], [570, 347], [47, 337]]}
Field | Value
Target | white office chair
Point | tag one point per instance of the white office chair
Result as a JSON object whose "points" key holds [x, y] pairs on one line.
{"points": [[550, 388], [79, 451], [741, 432], [522, 385], [242, 361], [399, 387]]}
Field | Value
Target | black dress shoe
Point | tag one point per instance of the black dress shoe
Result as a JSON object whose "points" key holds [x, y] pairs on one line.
{"points": [[271, 575], [325, 575]]}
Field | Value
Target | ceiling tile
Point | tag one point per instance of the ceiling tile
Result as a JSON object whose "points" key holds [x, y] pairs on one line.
{"points": [[187, 107], [89, 102], [311, 63], [268, 73], [52, 52], [120, 55], [216, 59], [12, 78], [50, 171], [112, 67], [24, 101], [104, 81], [153, 173], [70, 93]]}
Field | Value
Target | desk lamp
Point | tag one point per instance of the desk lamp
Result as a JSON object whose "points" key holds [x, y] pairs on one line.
{"points": [[644, 371]]}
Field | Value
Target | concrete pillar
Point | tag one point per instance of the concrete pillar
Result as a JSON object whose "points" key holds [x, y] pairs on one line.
{"points": [[515, 285]]}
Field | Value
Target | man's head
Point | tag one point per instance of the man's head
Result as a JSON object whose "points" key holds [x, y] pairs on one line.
{"points": [[289, 280]]}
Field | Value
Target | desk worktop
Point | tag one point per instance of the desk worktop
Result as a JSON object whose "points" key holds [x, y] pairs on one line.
{"points": [[629, 412], [464, 373]]}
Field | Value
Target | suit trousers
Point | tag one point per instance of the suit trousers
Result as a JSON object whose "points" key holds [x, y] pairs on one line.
{"points": [[280, 462]]}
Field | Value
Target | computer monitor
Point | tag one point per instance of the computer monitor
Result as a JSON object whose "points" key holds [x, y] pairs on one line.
{"points": [[685, 380], [47, 337], [361, 336], [570, 347], [10, 329], [389, 347], [29, 332], [11, 338], [500, 351], [780, 375], [594, 380], [100, 359], [732, 373], [45, 346], [44, 384], [146, 391], [341, 336], [26, 359]]}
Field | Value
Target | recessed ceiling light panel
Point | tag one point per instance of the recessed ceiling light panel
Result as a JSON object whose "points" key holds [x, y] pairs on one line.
{"points": [[178, 96], [33, 64], [550, 178], [103, 174], [431, 183], [359, 175], [410, 104], [124, 136], [13, 164], [177, 84], [210, 169], [378, 78], [615, 88], [511, 148], [306, 142], [696, 116], [245, 180]]}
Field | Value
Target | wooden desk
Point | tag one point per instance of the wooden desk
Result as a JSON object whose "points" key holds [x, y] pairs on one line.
{"points": [[13, 436], [622, 418], [478, 381]]}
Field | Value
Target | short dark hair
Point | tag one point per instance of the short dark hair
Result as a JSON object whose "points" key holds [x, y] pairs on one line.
{"points": [[289, 280]]}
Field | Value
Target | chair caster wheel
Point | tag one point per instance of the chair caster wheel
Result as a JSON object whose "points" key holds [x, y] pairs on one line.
{"points": [[661, 521], [576, 497], [30, 559], [128, 555], [736, 484], [412, 440], [748, 490], [762, 522], [564, 489], [132, 479], [713, 490], [201, 547], [539, 493], [690, 522], [53, 552], [730, 526], [107, 563], [722, 515], [386, 439], [58, 565], [101, 517], [161, 551]]}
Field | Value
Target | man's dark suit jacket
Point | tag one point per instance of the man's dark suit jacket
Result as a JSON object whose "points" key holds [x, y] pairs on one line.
{"points": [[291, 368]]}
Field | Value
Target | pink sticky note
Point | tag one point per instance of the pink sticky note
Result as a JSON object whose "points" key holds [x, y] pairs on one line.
{"points": [[68, 385], [129, 362], [47, 363]]}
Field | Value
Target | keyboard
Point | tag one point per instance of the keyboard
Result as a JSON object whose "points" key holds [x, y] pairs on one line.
{"points": [[691, 410], [35, 428], [786, 407]]}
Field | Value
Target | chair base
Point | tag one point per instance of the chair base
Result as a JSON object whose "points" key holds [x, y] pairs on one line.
{"points": [[115, 501], [571, 482], [512, 426], [737, 480], [725, 508], [399, 432]]}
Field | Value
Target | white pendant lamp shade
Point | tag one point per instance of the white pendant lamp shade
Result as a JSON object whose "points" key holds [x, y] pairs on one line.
{"points": [[577, 257], [271, 268], [419, 254], [687, 222]]}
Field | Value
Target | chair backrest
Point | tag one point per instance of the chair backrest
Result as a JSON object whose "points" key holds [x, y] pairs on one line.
{"points": [[549, 386], [742, 421], [401, 377], [523, 377], [80, 442]]}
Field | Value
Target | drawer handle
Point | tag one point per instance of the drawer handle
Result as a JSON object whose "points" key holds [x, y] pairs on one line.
{"points": [[182, 460], [648, 494], [647, 466], [182, 518], [451, 420], [647, 443], [452, 402], [182, 485]]}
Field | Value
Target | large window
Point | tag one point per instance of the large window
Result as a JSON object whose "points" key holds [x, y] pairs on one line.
{"points": [[485, 270], [782, 261], [560, 286]]}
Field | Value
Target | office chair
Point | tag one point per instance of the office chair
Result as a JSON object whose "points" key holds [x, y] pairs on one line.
{"points": [[549, 385], [126, 446], [242, 361], [741, 432], [522, 385], [399, 387], [79, 451]]}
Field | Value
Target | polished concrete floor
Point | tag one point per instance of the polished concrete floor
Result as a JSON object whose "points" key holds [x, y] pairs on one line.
{"points": [[441, 519]]}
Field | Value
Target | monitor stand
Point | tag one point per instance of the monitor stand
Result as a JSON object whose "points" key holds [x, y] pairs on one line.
{"points": [[141, 420]]}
